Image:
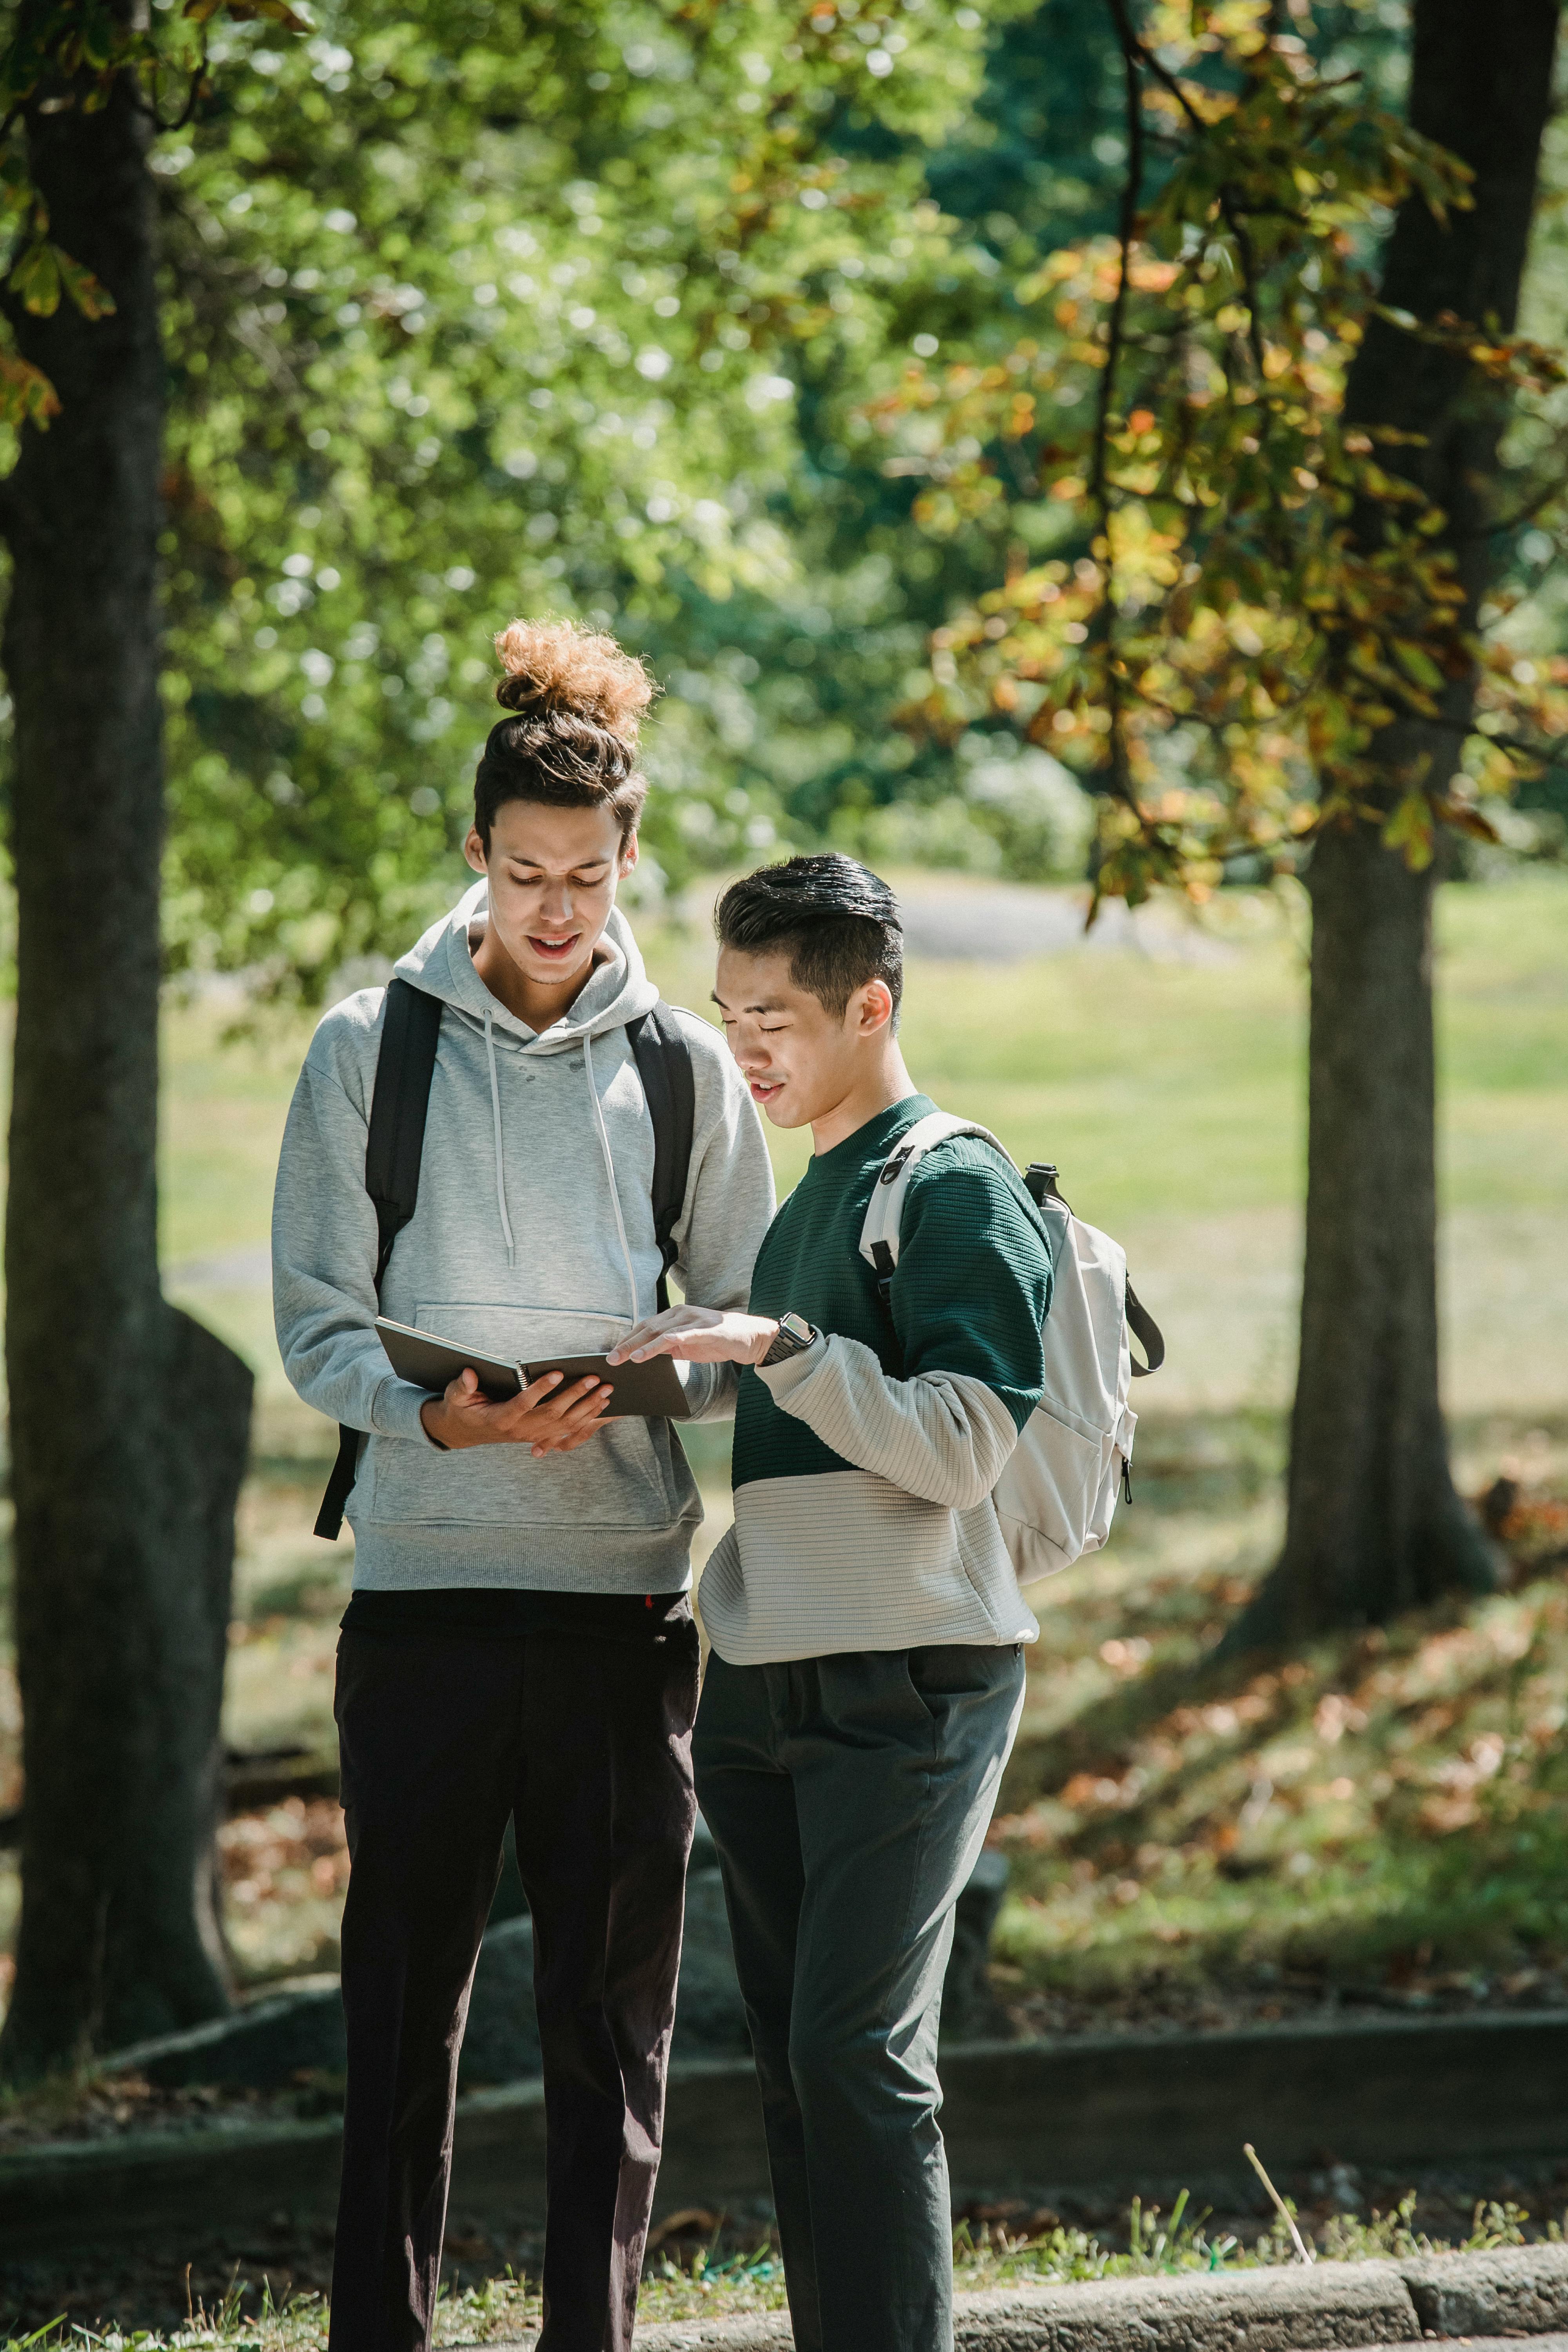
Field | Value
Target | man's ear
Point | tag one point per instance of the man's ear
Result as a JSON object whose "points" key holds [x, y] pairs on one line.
{"points": [[870, 1009], [474, 851], [629, 853]]}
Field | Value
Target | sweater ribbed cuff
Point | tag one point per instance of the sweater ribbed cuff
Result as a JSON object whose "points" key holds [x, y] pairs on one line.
{"points": [[784, 1379], [395, 1413]]}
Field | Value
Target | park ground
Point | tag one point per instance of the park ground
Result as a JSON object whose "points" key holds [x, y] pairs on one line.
{"points": [[1377, 1822], [699, 2269]]}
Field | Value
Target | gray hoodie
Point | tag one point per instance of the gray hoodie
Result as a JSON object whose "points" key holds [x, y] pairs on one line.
{"points": [[533, 1235]]}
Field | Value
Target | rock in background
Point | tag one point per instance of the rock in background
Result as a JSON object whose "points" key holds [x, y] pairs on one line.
{"points": [[501, 2040], [970, 2009], [274, 2042]]}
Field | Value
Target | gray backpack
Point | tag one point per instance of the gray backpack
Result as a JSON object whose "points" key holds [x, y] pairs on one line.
{"points": [[1056, 1498]]}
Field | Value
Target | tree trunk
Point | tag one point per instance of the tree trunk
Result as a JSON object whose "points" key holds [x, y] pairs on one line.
{"points": [[128, 1423], [1374, 1525]]}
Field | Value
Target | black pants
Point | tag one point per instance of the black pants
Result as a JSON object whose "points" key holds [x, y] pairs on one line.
{"points": [[589, 1744]]}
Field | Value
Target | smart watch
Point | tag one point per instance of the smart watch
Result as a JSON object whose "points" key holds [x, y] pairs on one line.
{"points": [[794, 1336]]}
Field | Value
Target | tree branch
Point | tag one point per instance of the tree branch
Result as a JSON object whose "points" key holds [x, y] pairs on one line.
{"points": [[1099, 473], [1226, 197]]}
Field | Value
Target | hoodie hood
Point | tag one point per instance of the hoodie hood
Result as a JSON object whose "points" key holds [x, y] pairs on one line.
{"points": [[532, 1239], [616, 991]]}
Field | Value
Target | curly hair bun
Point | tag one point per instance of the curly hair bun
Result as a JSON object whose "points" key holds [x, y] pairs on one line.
{"points": [[554, 668]]}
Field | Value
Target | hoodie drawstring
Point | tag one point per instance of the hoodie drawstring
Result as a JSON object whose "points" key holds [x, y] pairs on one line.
{"points": [[501, 1152], [610, 1172]]}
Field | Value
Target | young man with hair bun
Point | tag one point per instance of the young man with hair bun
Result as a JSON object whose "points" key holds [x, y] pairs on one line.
{"points": [[867, 1674], [520, 1641]]}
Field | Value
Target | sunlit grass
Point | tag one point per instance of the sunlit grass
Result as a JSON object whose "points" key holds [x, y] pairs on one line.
{"points": [[1381, 1816], [705, 2284], [1172, 1094]]}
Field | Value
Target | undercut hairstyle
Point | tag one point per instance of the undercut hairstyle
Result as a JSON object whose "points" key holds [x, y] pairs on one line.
{"points": [[575, 702], [837, 921]]}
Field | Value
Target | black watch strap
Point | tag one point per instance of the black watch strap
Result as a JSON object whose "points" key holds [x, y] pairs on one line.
{"points": [[794, 1336]]}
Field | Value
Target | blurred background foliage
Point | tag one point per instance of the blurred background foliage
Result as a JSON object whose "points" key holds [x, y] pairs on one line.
{"points": [[585, 308], [472, 311]]}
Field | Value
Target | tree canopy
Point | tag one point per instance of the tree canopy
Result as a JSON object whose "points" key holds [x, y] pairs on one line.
{"points": [[757, 340], [464, 324], [488, 310], [1272, 582]]}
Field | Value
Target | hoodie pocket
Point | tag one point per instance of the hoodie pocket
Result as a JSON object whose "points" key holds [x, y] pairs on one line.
{"points": [[616, 1480]]}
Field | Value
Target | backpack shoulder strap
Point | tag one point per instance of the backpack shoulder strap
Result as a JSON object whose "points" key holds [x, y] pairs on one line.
{"points": [[411, 1024], [1144, 1329], [664, 1065], [395, 1144], [884, 1211]]}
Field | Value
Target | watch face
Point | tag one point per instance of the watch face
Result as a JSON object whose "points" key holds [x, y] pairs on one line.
{"points": [[795, 1333]]}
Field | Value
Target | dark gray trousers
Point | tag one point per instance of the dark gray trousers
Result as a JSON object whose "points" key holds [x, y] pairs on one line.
{"points": [[849, 1797]]}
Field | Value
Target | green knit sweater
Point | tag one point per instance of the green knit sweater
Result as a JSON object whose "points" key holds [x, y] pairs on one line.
{"points": [[863, 1467]]}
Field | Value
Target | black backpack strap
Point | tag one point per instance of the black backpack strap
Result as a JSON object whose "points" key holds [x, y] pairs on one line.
{"points": [[1144, 1329], [410, 1026], [395, 1144], [664, 1065], [330, 1518]]}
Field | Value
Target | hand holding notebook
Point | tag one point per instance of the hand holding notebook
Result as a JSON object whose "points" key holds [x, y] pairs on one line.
{"points": [[653, 1391]]}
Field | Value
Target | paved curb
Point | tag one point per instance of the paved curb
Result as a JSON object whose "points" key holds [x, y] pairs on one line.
{"points": [[1250, 2311], [1520, 2292]]}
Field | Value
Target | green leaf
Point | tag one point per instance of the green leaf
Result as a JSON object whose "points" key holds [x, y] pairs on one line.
{"points": [[1409, 828], [37, 279], [98, 40], [1418, 665], [47, 271], [26, 395], [90, 294]]}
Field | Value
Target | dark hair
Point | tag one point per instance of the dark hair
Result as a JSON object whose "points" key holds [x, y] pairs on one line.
{"points": [[577, 700], [838, 920]]}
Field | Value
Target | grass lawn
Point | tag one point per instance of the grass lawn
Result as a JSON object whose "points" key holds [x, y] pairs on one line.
{"points": [[695, 2271], [1169, 1088], [1379, 1819], [1185, 1841], [1172, 1094]]}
